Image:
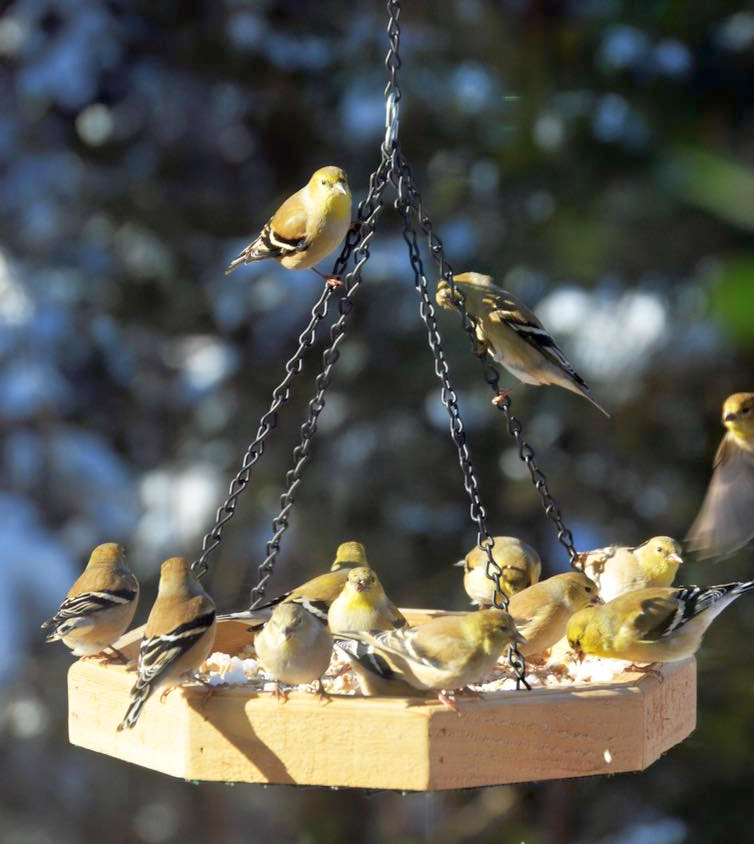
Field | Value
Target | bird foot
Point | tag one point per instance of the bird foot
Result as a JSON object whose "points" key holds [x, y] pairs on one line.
{"points": [[208, 687], [502, 396], [118, 655], [447, 699], [164, 695], [280, 695], [322, 694], [648, 669], [333, 282], [467, 691]]}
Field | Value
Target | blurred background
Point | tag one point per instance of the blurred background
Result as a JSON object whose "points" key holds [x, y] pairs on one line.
{"points": [[596, 157]]}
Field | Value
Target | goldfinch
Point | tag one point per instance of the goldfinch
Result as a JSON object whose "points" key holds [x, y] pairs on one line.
{"points": [[520, 563], [512, 334], [374, 675], [316, 594], [652, 625], [307, 227], [178, 637], [99, 606], [363, 605], [542, 611], [294, 647], [445, 653], [618, 569], [725, 521]]}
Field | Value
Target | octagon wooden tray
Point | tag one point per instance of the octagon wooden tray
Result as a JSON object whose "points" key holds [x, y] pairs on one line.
{"points": [[409, 744]]}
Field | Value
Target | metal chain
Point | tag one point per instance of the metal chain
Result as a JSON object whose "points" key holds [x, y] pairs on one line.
{"points": [[404, 203], [280, 395], [492, 377], [369, 212]]}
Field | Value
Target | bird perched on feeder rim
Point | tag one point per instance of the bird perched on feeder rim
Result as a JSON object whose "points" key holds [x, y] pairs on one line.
{"points": [[307, 227], [618, 569], [542, 611], [363, 605], [513, 335], [99, 606], [652, 625], [445, 653], [178, 637], [316, 594], [294, 647], [374, 675], [520, 563], [725, 521]]}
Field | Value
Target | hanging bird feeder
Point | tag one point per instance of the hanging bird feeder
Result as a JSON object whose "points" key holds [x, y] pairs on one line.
{"points": [[243, 734]]}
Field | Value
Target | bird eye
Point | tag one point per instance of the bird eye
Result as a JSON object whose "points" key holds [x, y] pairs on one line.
{"points": [[659, 549], [744, 410], [324, 181], [588, 590]]}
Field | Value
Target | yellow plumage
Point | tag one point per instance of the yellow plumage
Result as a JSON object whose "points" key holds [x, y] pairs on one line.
{"points": [[520, 563], [363, 605]]}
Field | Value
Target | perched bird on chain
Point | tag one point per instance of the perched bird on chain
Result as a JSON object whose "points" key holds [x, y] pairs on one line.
{"points": [[316, 594], [542, 611], [725, 521], [363, 605], [373, 673], [445, 653], [520, 563], [651, 625], [294, 647], [99, 606], [618, 569], [307, 227], [512, 335], [178, 637]]}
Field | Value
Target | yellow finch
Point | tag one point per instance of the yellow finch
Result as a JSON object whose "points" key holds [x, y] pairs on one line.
{"points": [[512, 334], [618, 569], [541, 612], [445, 653], [520, 563], [294, 647], [316, 594], [307, 227], [375, 676], [363, 605], [725, 521], [99, 606], [652, 625], [178, 637]]}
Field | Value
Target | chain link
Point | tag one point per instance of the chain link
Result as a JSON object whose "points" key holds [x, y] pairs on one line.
{"points": [[408, 201]]}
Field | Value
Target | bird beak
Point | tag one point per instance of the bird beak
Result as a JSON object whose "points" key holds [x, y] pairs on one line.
{"points": [[519, 638], [676, 558], [340, 187], [729, 417], [460, 563], [596, 601], [361, 585]]}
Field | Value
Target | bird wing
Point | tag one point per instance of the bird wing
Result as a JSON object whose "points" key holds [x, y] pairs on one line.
{"points": [[428, 644], [87, 603], [505, 308], [159, 652], [397, 619], [285, 233], [725, 521]]}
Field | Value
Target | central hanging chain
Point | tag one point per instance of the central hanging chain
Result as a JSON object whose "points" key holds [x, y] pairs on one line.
{"points": [[394, 169]]}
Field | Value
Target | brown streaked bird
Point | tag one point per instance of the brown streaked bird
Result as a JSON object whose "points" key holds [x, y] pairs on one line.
{"points": [[725, 521], [542, 611], [178, 638], [99, 606], [520, 563], [307, 227], [513, 335]]}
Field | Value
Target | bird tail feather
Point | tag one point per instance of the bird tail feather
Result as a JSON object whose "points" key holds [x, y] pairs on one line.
{"points": [[139, 696]]}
